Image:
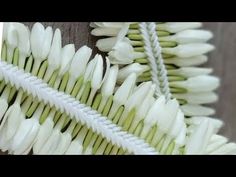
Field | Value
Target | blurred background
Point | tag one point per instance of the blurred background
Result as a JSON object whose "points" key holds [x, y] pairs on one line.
{"points": [[222, 60]]}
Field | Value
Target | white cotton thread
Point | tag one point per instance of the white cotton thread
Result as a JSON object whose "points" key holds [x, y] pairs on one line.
{"points": [[65, 103], [154, 56]]}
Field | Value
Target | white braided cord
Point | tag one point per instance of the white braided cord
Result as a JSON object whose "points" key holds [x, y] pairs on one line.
{"points": [[65, 103], [153, 51]]}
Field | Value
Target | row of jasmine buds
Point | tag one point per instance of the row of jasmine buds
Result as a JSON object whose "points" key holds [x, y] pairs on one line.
{"points": [[184, 48], [47, 131]]}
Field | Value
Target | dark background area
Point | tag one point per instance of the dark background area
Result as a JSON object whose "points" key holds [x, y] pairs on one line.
{"points": [[222, 60]]}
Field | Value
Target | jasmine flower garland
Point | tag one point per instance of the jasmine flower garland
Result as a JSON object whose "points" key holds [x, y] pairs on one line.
{"points": [[183, 49], [28, 133], [142, 110]]}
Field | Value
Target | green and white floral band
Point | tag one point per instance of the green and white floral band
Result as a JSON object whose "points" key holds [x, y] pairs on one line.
{"points": [[144, 98]]}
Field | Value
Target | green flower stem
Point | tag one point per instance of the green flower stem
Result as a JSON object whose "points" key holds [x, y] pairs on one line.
{"points": [[176, 78], [77, 86], [2, 85], [76, 130], [151, 134], [57, 116], [165, 55], [64, 82], [29, 64], [49, 72], [141, 60], [170, 67], [53, 78], [136, 41], [137, 32], [139, 49], [42, 70], [160, 144], [170, 148], [86, 92], [108, 106], [157, 138], [67, 120], [4, 52], [36, 66], [166, 143], [71, 127], [118, 114], [27, 103], [91, 96], [181, 101], [146, 74], [45, 113], [16, 57], [143, 79], [128, 121], [177, 90]]}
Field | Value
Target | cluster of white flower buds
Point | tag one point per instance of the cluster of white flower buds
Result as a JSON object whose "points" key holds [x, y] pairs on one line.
{"points": [[110, 89]]}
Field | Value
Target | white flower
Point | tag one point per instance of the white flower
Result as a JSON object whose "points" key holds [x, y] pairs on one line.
{"points": [[54, 57], [185, 62], [51, 143], [108, 86], [189, 36], [166, 119], [110, 82], [218, 145], [105, 31], [146, 104], [198, 140], [67, 54], [40, 41], [25, 135], [217, 124], [196, 110], [177, 125], [63, 144], [136, 68], [75, 148], [108, 28], [189, 50], [175, 27], [9, 125], [198, 98], [79, 62], [135, 99], [17, 35], [44, 132], [122, 93], [66, 138], [97, 77], [229, 149], [78, 66], [122, 53], [204, 83], [106, 44]]}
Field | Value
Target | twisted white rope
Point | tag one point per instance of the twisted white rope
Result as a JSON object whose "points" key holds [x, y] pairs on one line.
{"points": [[65, 103], [153, 51]]}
